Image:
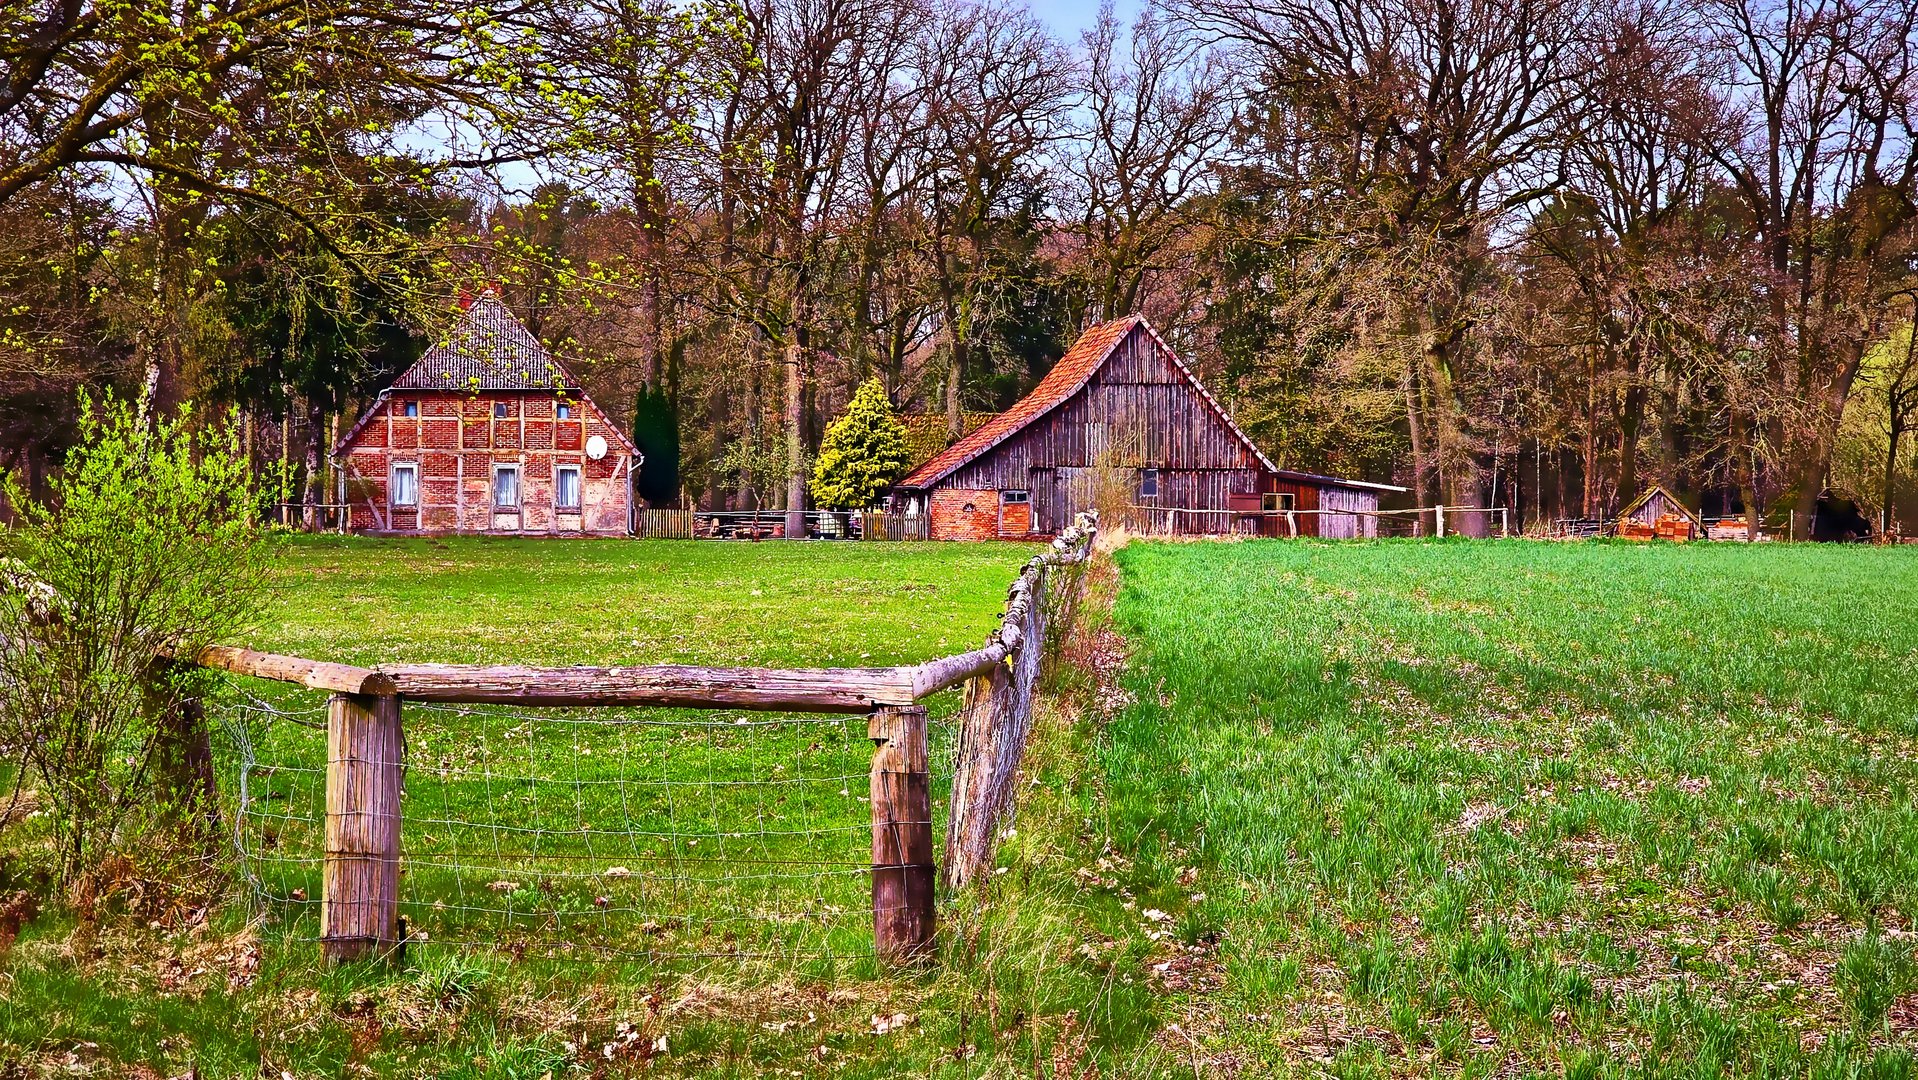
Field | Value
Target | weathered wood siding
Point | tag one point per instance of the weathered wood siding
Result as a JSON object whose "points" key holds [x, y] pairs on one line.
{"points": [[1138, 411], [1348, 526]]}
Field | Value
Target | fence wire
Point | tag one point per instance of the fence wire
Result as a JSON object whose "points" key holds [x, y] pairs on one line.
{"points": [[651, 834]]}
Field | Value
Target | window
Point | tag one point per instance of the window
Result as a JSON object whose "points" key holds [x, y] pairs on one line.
{"points": [[404, 491], [411, 408], [1015, 497], [1149, 483], [566, 488], [564, 410], [499, 410], [506, 487], [1278, 502]]}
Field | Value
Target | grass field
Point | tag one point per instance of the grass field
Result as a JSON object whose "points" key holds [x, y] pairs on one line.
{"points": [[1304, 809], [1503, 808], [598, 856]]}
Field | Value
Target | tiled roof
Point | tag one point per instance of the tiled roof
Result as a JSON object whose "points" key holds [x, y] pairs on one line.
{"points": [[489, 349], [1063, 381]]}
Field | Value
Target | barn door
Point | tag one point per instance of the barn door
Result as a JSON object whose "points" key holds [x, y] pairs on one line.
{"points": [[1045, 501]]}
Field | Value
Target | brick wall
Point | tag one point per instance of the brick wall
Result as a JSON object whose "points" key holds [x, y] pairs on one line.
{"points": [[964, 514], [457, 439], [1015, 521]]}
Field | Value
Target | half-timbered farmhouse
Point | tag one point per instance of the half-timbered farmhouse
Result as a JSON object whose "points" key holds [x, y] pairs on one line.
{"points": [[1121, 404], [488, 433]]}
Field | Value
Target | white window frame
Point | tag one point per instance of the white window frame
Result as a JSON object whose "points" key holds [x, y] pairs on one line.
{"points": [[563, 410], [1149, 477], [500, 411], [519, 489], [392, 481], [579, 489]]}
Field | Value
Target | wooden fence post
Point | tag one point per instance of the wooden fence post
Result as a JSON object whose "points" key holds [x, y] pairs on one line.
{"points": [[902, 870], [360, 884]]}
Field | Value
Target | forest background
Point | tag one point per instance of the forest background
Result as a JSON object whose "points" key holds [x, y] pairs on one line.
{"points": [[1539, 253]]}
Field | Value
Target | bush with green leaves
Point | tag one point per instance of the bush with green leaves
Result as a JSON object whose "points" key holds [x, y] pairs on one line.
{"points": [[863, 452], [148, 544]]}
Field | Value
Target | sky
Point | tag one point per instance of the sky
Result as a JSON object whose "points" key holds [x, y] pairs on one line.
{"points": [[1068, 18]]}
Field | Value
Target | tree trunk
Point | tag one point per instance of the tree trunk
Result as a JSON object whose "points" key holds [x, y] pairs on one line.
{"points": [[1589, 465], [315, 432], [1421, 453], [1630, 417], [957, 358], [1893, 437], [795, 433], [1743, 475]]}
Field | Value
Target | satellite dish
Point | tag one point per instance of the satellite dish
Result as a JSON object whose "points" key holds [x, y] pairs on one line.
{"points": [[596, 447]]}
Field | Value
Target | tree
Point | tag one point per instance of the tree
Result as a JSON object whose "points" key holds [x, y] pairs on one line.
{"points": [[1819, 100], [863, 452], [1408, 132], [1001, 88], [656, 434], [149, 541], [1158, 127]]}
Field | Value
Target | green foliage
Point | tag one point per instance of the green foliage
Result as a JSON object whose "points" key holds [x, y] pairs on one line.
{"points": [[863, 452], [150, 540], [759, 464], [656, 434]]}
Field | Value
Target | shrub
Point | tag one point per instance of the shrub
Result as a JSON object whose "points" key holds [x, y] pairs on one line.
{"points": [[863, 452], [149, 542]]}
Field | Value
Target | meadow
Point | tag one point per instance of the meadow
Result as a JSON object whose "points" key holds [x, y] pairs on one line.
{"points": [[569, 874], [1505, 808], [1356, 809]]}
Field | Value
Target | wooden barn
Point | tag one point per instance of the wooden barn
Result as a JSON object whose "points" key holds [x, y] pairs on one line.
{"points": [[1121, 406], [488, 433], [1658, 515]]}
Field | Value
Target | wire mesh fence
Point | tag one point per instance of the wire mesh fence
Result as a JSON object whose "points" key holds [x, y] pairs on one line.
{"points": [[666, 835]]}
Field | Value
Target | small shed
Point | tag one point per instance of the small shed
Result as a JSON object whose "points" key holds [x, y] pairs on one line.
{"points": [[1658, 515], [1120, 405], [488, 433]]}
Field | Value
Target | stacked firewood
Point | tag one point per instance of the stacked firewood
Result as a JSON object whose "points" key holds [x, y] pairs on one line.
{"points": [[1675, 527]]}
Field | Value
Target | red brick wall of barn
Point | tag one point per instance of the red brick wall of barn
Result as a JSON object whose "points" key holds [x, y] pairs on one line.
{"points": [[456, 441], [962, 514]]}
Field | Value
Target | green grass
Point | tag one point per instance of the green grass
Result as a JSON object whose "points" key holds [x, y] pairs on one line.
{"points": [[468, 600], [1475, 808], [739, 932], [1362, 809]]}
